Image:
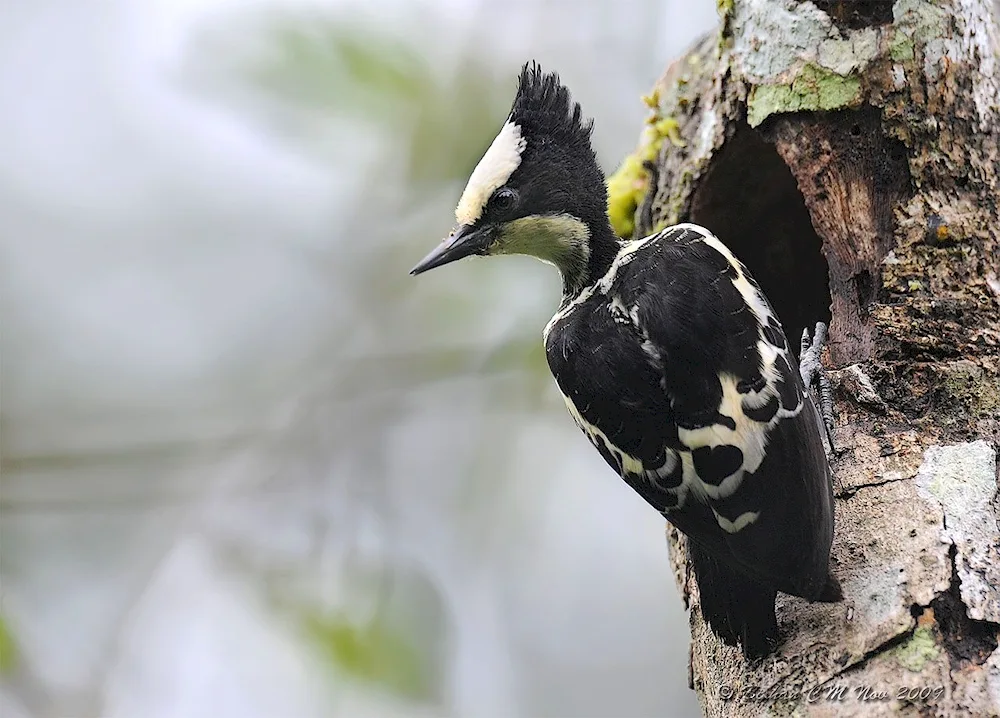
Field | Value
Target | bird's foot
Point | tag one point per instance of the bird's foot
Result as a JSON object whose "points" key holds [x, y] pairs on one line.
{"points": [[812, 372]]}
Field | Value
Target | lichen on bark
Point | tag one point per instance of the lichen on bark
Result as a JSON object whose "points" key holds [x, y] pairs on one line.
{"points": [[849, 154]]}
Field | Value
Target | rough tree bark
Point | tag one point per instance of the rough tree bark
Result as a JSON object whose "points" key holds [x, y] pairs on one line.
{"points": [[847, 151]]}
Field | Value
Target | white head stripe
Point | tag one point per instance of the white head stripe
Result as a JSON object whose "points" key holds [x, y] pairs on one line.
{"points": [[493, 170]]}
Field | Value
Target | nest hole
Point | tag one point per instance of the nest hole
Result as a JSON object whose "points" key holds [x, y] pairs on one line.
{"points": [[857, 14], [751, 201]]}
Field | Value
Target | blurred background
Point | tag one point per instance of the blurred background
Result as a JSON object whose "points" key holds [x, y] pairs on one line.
{"points": [[250, 467]]}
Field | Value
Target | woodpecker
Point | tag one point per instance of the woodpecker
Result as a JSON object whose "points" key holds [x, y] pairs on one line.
{"points": [[672, 362]]}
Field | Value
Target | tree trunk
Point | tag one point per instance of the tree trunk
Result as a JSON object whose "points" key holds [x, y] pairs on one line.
{"points": [[847, 151]]}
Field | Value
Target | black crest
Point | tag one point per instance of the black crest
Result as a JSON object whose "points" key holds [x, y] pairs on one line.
{"points": [[543, 106]]}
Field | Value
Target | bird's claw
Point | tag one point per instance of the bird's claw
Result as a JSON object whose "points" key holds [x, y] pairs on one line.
{"points": [[812, 372]]}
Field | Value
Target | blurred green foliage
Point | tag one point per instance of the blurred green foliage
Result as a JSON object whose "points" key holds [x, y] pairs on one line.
{"points": [[374, 652], [433, 121], [8, 652], [442, 124]]}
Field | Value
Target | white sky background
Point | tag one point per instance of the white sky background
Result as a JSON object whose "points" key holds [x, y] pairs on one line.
{"points": [[146, 279]]}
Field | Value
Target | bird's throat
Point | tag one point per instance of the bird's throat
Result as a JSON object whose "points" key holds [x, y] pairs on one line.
{"points": [[561, 240], [581, 251]]}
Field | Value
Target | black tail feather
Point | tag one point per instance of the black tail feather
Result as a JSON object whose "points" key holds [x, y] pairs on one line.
{"points": [[739, 611]]}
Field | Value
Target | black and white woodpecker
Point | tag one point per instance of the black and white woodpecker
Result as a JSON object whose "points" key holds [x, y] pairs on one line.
{"points": [[672, 362]]}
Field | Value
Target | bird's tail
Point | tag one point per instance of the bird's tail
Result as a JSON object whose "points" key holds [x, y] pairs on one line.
{"points": [[738, 609], [831, 593]]}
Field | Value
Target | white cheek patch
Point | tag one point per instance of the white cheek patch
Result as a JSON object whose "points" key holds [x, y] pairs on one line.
{"points": [[493, 170]]}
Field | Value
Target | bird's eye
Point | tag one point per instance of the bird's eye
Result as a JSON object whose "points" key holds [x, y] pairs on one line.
{"points": [[504, 199]]}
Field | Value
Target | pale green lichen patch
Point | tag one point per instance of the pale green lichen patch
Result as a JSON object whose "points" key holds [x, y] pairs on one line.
{"points": [[813, 88], [799, 59], [901, 49], [844, 55], [920, 20], [772, 41], [916, 22], [972, 386], [961, 478], [919, 650], [921, 23]]}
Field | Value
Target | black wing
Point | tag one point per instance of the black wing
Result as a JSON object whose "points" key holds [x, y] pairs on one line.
{"points": [[677, 369]]}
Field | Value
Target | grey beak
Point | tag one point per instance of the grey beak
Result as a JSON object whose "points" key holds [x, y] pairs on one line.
{"points": [[463, 242]]}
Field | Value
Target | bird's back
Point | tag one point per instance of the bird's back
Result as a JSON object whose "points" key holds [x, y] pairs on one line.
{"points": [[676, 367]]}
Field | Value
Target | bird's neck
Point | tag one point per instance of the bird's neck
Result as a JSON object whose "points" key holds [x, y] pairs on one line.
{"points": [[599, 248], [586, 252], [583, 251], [604, 245]]}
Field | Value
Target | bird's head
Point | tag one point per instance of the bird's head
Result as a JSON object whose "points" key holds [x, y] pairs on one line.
{"points": [[538, 190]]}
